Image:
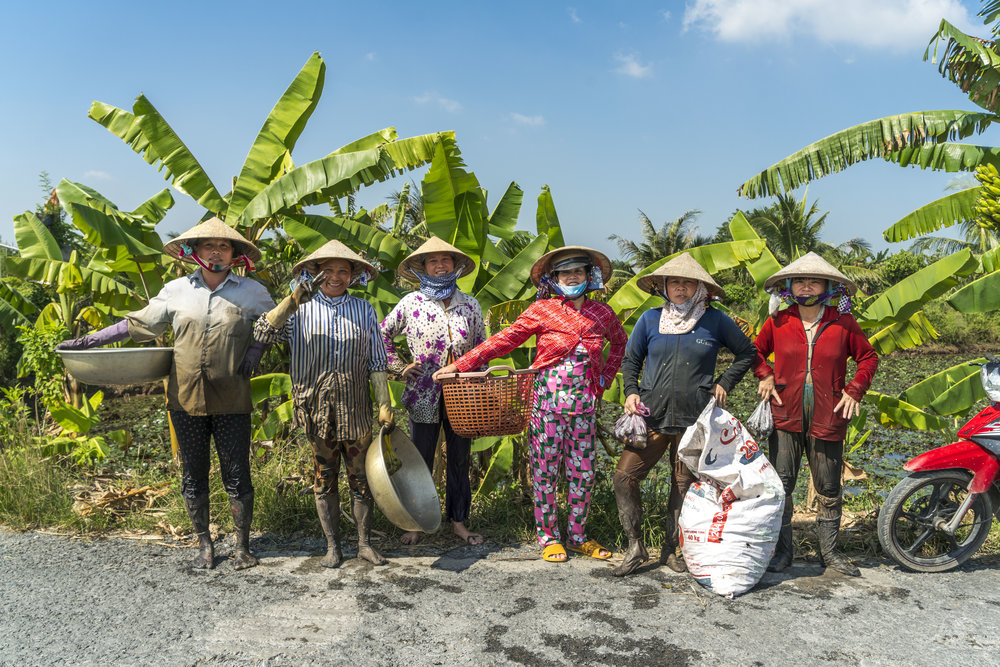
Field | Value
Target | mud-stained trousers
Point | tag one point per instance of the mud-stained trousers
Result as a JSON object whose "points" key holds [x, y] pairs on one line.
{"points": [[231, 434]]}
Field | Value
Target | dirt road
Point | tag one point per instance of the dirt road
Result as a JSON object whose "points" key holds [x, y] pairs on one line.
{"points": [[113, 601]]}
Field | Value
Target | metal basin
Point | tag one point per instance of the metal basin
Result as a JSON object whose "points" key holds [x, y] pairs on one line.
{"points": [[123, 365], [408, 497]]}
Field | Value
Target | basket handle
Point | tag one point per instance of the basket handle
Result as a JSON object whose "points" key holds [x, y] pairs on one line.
{"points": [[482, 374]]}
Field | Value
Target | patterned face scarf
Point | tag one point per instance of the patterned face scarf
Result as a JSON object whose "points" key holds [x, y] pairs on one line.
{"points": [[238, 260], [359, 280], [784, 295], [681, 318], [548, 286], [438, 287]]}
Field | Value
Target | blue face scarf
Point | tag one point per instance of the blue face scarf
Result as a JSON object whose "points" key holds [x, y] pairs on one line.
{"points": [[438, 287]]}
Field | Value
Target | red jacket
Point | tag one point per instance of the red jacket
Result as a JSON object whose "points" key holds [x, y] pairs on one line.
{"points": [[559, 328], [837, 338]]}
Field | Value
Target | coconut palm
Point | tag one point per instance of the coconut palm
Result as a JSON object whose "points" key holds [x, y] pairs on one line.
{"points": [[669, 239]]}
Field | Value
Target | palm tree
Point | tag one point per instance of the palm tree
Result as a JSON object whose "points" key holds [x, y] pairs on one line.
{"points": [[656, 244], [790, 229]]}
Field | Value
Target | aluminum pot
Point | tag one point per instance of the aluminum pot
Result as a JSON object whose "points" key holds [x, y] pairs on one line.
{"points": [[121, 365], [407, 497]]}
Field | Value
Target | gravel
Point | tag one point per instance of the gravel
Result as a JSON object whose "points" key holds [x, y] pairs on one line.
{"points": [[118, 601]]}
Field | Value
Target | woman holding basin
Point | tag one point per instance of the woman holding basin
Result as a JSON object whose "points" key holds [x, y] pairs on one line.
{"points": [[570, 332], [212, 312], [669, 369]]}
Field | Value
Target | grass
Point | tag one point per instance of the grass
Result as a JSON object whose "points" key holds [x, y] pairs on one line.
{"points": [[37, 492]]}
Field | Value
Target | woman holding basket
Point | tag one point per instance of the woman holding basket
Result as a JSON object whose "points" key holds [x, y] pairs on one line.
{"points": [[570, 332]]}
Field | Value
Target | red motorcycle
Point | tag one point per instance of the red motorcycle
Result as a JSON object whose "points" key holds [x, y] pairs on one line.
{"points": [[939, 515]]}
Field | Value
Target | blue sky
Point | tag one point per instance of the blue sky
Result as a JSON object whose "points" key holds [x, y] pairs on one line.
{"points": [[617, 106]]}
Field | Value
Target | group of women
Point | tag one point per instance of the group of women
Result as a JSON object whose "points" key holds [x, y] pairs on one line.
{"points": [[341, 355]]}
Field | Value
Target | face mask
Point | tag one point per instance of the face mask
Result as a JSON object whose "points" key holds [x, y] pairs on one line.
{"points": [[573, 291]]}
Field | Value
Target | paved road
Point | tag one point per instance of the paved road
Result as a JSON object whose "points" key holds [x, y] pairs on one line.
{"points": [[112, 601]]}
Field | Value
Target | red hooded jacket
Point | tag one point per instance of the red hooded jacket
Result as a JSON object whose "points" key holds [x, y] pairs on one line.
{"points": [[838, 337]]}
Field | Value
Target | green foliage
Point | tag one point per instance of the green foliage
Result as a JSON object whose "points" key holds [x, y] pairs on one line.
{"points": [[901, 265], [740, 295], [39, 358]]}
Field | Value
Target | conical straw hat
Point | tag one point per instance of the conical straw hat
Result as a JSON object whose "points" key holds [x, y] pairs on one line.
{"points": [[811, 265], [544, 263], [416, 259], [334, 250], [682, 266], [213, 228]]}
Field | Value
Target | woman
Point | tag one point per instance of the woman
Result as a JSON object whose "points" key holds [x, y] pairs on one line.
{"points": [[674, 349], [570, 331], [337, 351], [441, 323], [810, 400], [208, 392]]}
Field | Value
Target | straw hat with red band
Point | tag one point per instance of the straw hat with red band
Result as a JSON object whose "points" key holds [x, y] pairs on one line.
{"points": [[682, 266], [562, 258], [415, 260], [335, 250], [811, 265], [213, 228]]}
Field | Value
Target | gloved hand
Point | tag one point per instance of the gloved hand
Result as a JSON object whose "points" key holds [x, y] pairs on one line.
{"points": [[304, 291], [116, 332], [380, 387], [252, 358]]}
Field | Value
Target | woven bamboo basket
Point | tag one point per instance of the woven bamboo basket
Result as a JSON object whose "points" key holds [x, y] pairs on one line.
{"points": [[487, 403]]}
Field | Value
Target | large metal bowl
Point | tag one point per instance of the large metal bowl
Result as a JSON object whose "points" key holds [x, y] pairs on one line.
{"points": [[408, 497], [123, 365]]}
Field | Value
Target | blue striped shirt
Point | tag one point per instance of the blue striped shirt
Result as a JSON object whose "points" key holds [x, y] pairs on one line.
{"points": [[336, 345]]}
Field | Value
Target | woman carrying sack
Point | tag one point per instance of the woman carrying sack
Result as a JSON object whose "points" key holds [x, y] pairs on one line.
{"points": [[674, 349], [336, 353], [441, 323], [811, 402], [570, 332], [208, 391]]}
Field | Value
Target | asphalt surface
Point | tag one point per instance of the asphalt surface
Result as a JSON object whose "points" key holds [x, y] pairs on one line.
{"points": [[116, 601]]}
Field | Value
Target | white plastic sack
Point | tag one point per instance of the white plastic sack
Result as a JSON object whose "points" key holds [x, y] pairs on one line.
{"points": [[761, 423], [731, 517]]}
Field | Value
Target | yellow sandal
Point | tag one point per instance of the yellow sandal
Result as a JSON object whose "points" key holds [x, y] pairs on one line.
{"points": [[590, 548], [550, 552]]}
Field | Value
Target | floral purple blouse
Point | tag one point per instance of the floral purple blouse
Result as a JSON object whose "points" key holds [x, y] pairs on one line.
{"points": [[432, 332]]}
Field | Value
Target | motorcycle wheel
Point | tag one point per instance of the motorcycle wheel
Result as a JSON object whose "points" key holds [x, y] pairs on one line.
{"points": [[906, 522]]}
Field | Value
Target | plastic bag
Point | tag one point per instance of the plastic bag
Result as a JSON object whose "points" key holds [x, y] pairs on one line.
{"points": [[631, 429], [761, 423], [731, 517]]}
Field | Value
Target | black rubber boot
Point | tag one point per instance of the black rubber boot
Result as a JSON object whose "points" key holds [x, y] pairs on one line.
{"points": [[363, 516], [671, 538], [198, 511], [827, 529], [328, 509], [629, 501], [242, 517], [784, 551]]}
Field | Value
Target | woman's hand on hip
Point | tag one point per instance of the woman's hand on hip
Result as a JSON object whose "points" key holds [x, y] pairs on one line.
{"points": [[766, 390], [632, 404], [847, 407], [444, 370], [720, 395]]}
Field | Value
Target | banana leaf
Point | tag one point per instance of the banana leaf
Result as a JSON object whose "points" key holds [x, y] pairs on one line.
{"points": [[502, 315], [312, 231], [104, 231], [14, 308], [34, 239], [969, 62], [952, 391], [547, 221], [446, 179], [126, 127], [77, 420], [282, 414], [944, 212], [764, 266], [65, 276], [373, 140], [269, 385], [903, 335], [182, 169], [947, 157], [503, 219], [513, 280], [906, 297], [980, 296], [894, 411], [499, 467], [876, 138], [278, 135], [155, 208]]}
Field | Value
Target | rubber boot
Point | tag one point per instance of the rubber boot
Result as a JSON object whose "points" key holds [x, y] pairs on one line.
{"points": [[784, 551], [629, 501], [198, 511], [242, 509], [363, 516], [328, 509], [671, 538], [827, 529]]}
